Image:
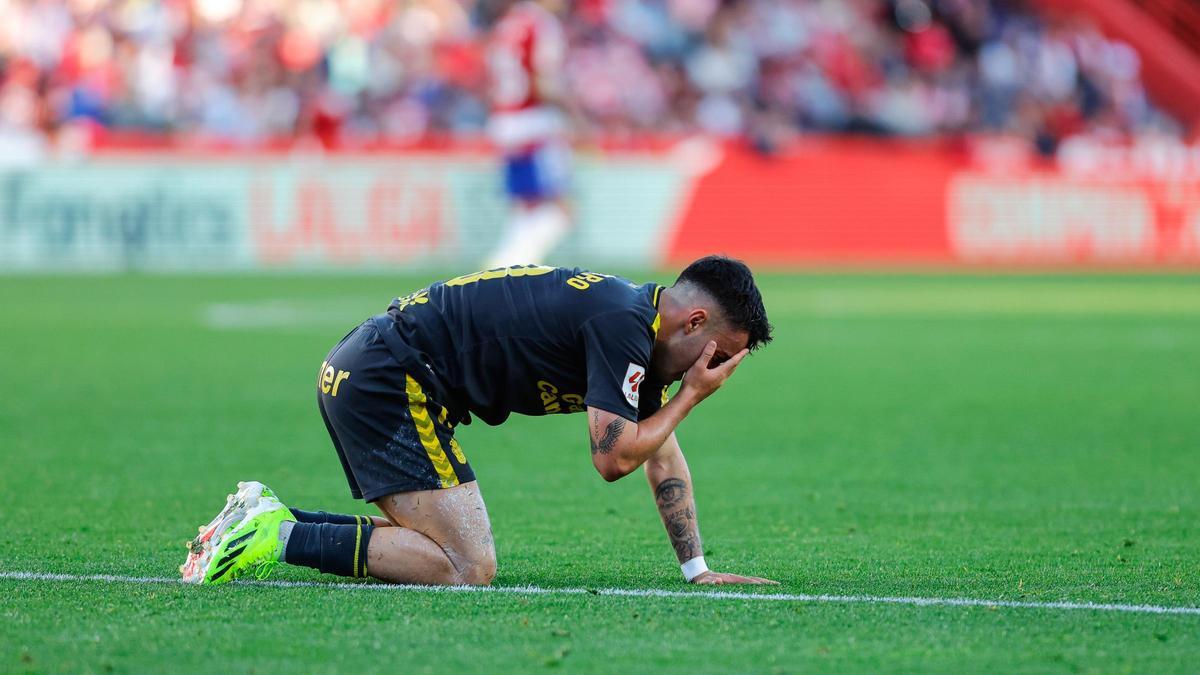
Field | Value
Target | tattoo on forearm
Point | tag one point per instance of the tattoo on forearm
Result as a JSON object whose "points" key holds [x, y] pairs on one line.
{"points": [[681, 528], [679, 522], [674, 500], [612, 433], [670, 492]]}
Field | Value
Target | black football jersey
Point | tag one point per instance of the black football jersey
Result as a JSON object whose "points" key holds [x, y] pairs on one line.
{"points": [[532, 340]]}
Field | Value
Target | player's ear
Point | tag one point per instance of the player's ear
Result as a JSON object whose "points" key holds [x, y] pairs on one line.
{"points": [[696, 320]]}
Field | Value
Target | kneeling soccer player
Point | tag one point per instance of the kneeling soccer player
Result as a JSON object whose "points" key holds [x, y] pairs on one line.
{"points": [[527, 339]]}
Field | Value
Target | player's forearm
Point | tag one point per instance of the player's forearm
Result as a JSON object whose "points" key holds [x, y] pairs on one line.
{"points": [[654, 431], [619, 447], [669, 478]]}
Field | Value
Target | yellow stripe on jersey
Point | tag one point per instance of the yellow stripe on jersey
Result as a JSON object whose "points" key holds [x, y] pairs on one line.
{"points": [[428, 434], [500, 273], [657, 317]]}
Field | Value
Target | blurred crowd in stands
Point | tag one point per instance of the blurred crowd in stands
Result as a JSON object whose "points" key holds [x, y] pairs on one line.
{"points": [[394, 71]]}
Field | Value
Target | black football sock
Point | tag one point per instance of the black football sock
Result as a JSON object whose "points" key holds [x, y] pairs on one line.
{"points": [[333, 549], [303, 516]]}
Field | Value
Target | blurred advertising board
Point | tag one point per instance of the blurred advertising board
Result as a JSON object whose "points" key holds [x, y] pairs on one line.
{"points": [[158, 211], [824, 202], [859, 202]]}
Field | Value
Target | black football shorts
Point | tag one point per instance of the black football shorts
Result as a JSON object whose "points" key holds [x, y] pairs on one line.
{"points": [[390, 435]]}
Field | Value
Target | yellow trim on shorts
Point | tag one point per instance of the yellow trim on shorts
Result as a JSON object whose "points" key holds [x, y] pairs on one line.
{"points": [[428, 433]]}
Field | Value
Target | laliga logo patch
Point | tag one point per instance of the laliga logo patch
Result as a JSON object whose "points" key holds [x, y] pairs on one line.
{"points": [[633, 379]]}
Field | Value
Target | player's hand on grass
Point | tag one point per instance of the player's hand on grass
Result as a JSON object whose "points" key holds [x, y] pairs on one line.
{"points": [[719, 578], [703, 380]]}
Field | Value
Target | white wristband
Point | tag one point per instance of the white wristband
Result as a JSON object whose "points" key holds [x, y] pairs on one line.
{"points": [[694, 568]]}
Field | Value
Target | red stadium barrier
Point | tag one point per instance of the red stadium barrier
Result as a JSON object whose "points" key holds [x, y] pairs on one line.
{"points": [[826, 202], [861, 202]]}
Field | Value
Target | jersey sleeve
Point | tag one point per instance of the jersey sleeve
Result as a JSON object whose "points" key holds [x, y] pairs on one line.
{"points": [[653, 398], [617, 345]]}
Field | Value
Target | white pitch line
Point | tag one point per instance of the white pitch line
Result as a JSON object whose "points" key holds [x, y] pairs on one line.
{"points": [[638, 593]]}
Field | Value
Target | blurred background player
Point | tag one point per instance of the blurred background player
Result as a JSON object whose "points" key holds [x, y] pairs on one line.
{"points": [[529, 124]]}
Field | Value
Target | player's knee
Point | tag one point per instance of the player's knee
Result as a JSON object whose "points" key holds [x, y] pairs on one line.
{"points": [[479, 569]]}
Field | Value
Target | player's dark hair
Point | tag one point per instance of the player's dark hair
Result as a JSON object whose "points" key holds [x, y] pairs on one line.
{"points": [[731, 284]]}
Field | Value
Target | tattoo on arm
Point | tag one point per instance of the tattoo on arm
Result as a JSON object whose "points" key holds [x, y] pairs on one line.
{"points": [[674, 500], [612, 433], [670, 492], [681, 528]]}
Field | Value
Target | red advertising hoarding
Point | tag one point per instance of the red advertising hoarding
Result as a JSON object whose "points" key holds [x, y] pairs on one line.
{"points": [[865, 202]]}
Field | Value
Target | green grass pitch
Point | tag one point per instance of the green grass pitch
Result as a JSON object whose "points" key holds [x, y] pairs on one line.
{"points": [[1013, 437]]}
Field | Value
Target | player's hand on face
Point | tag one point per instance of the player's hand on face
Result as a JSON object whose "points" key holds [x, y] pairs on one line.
{"points": [[702, 379], [719, 578]]}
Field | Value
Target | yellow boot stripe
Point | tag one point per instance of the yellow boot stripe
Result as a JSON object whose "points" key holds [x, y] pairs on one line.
{"points": [[428, 434]]}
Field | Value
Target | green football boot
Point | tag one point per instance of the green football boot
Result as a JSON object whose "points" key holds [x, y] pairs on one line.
{"points": [[243, 537]]}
